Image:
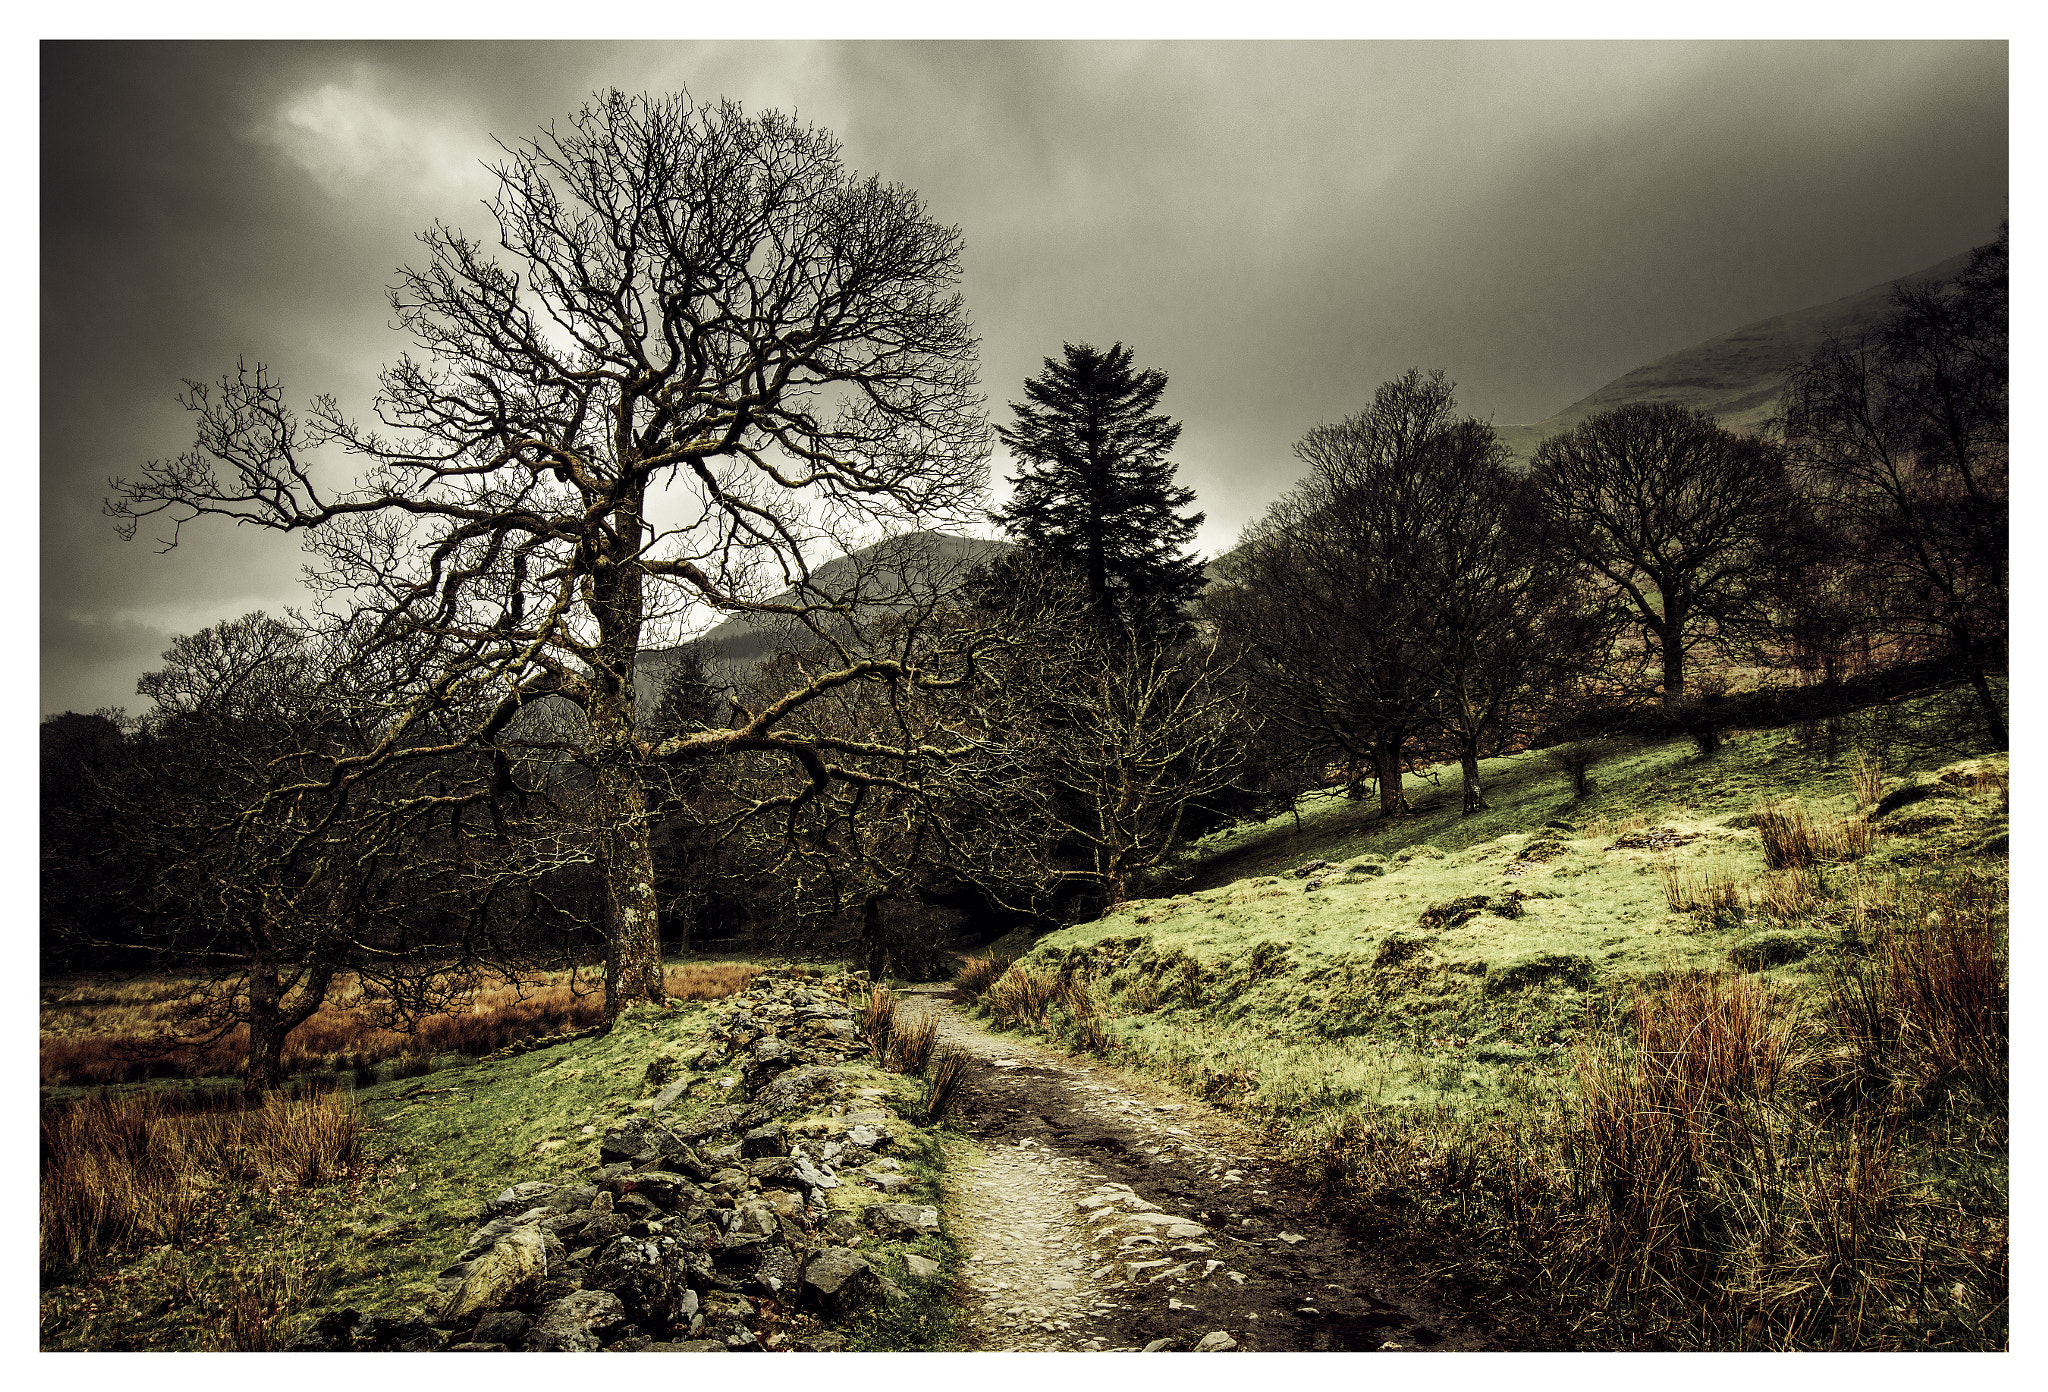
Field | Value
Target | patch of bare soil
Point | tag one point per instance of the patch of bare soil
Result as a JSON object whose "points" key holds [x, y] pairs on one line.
{"points": [[1110, 1214]]}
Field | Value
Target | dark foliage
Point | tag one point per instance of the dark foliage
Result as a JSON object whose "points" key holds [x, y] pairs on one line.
{"points": [[1096, 488]]}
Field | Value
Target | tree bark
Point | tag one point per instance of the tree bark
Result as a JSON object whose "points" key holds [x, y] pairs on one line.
{"points": [[270, 1022], [625, 864], [874, 954], [1468, 758], [1386, 764], [1673, 653], [1994, 719]]}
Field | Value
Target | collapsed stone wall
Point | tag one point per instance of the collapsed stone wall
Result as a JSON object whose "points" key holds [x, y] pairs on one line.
{"points": [[712, 1235]]}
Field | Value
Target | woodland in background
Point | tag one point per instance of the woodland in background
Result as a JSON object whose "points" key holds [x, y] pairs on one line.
{"points": [[449, 775]]}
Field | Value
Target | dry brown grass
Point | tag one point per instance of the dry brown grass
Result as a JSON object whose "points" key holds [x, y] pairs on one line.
{"points": [[977, 973], [1786, 895], [94, 1033], [1019, 997], [1711, 892], [148, 1167], [942, 1084], [878, 1020], [1791, 842], [1867, 772], [1614, 826], [911, 1042], [1928, 1006]]}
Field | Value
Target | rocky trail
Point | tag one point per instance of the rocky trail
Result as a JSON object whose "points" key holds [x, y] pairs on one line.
{"points": [[1110, 1215]]}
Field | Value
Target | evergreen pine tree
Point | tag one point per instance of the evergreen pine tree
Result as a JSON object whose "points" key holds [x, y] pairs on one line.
{"points": [[1096, 488]]}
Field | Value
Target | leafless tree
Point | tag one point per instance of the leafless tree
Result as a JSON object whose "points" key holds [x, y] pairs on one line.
{"points": [[709, 357], [1101, 739], [267, 882], [1378, 599], [1901, 436], [1680, 515]]}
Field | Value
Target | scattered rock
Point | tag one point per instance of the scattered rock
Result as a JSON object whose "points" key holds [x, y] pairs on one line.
{"points": [[901, 1220], [510, 1273], [577, 1323], [1218, 1341], [839, 1281]]}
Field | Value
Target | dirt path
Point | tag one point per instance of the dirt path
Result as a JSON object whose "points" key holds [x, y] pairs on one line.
{"points": [[1111, 1214]]}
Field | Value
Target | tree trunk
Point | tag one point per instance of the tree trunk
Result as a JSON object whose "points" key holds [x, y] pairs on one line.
{"points": [[1674, 665], [270, 1022], [1994, 718], [874, 953], [1468, 758], [1386, 765], [266, 1031], [625, 865]]}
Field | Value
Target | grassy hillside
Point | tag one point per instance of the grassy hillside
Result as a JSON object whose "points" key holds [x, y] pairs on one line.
{"points": [[1436, 1024]]}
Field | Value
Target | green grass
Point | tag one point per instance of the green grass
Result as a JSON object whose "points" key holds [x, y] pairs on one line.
{"points": [[1415, 1031]]}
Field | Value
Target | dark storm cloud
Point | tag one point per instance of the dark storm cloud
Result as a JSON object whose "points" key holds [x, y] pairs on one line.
{"points": [[1278, 226]]}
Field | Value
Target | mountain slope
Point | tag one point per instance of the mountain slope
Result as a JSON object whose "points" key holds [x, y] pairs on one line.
{"points": [[919, 560], [1738, 376]]}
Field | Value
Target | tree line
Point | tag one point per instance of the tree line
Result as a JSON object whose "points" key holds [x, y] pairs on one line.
{"points": [[710, 356]]}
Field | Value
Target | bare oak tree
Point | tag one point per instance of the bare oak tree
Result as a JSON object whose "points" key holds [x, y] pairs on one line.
{"points": [[1337, 594], [1679, 514], [709, 356]]}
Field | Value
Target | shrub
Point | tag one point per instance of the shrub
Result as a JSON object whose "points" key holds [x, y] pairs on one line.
{"points": [[1577, 759]]}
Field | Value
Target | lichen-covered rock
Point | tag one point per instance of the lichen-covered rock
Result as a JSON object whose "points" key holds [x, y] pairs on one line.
{"points": [[383, 1334], [577, 1323], [901, 1220], [838, 1281], [520, 1197], [501, 1327], [784, 1092], [769, 1140], [650, 1275], [664, 1189], [510, 1273]]}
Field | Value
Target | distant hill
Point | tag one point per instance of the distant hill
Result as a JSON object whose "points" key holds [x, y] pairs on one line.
{"points": [[1737, 377], [744, 640]]}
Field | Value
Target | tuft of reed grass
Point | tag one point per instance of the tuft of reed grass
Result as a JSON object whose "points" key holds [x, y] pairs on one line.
{"points": [[1929, 1005], [942, 1083], [1714, 895], [878, 1019], [977, 973], [911, 1042], [1791, 842], [1866, 771], [1786, 895], [1018, 999]]}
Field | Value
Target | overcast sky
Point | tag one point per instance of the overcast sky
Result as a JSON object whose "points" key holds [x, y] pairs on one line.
{"points": [[1278, 227]]}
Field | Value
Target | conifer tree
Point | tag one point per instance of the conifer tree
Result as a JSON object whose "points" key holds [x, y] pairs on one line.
{"points": [[1096, 488]]}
